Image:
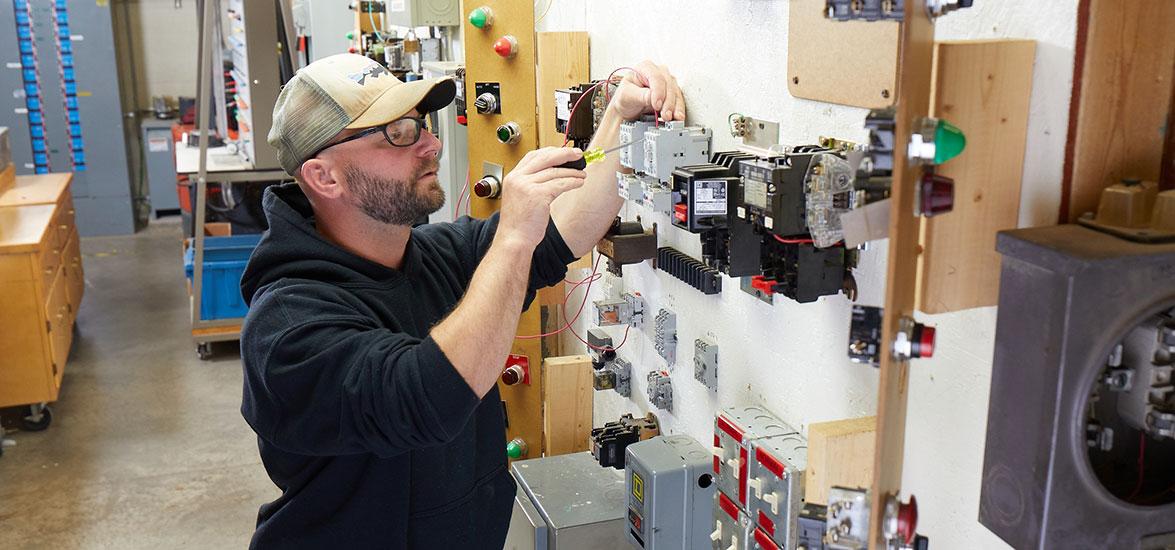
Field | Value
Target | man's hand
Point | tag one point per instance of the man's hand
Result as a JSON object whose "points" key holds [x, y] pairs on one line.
{"points": [[652, 90], [528, 190]]}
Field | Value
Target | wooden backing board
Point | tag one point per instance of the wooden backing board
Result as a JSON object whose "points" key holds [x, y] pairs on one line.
{"points": [[846, 62], [839, 453], [567, 404], [901, 267], [984, 88], [1121, 99]]}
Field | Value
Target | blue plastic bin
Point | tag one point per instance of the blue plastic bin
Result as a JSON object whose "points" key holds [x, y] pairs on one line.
{"points": [[224, 264]]}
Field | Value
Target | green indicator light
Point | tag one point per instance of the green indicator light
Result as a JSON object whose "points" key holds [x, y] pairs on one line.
{"points": [[503, 134], [350, 36], [949, 142]]}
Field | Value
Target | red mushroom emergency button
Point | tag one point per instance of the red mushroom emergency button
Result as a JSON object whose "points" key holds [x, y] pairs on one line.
{"points": [[507, 46]]}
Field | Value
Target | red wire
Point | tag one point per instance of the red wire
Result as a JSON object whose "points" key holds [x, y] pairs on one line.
{"points": [[457, 207], [792, 241], [590, 279], [607, 97]]}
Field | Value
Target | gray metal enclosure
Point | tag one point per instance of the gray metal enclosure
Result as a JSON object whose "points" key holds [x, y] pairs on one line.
{"points": [[71, 50], [1067, 295]]}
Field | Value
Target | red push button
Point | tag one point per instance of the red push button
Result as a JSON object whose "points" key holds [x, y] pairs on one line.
{"points": [[507, 46]]}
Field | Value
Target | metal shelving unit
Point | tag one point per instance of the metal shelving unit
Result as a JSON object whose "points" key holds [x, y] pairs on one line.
{"points": [[247, 160]]}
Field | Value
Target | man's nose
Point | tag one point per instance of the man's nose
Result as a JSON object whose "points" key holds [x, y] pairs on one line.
{"points": [[429, 145]]}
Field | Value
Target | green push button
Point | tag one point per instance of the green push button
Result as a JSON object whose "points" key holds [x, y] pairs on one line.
{"points": [[515, 448], [480, 17], [949, 142]]}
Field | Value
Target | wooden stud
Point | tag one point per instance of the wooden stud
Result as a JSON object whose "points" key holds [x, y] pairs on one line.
{"points": [[567, 404], [1122, 93], [983, 87], [839, 453], [917, 49]]}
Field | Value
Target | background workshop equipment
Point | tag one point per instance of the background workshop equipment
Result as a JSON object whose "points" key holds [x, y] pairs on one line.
{"points": [[901, 279]]}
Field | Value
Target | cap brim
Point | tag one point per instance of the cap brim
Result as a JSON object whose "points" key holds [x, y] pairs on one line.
{"points": [[424, 95]]}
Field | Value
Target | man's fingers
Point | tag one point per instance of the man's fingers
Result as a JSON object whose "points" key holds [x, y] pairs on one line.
{"points": [[679, 113], [655, 81], [562, 185]]}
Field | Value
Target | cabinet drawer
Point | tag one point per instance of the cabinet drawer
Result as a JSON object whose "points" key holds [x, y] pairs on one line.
{"points": [[60, 328], [63, 220], [49, 259]]}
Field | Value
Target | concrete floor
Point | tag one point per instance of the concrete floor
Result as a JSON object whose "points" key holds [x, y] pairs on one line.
{"points": [[147, 448]]}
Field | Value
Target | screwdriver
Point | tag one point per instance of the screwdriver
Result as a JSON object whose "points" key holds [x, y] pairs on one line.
{"points": [[593, 155]]}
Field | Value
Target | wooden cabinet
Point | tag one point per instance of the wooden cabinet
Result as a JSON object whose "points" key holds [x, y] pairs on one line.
{"points": [[41, 286]]}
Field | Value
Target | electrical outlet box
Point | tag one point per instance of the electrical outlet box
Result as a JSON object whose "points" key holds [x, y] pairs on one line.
{"points": [[732, 528], [660, 390], [775, 486], [706, 363], [670, 493], [735, 429], [665, 335]]}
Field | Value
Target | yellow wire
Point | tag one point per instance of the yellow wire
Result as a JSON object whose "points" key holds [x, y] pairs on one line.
{"points": [[549, 4]]}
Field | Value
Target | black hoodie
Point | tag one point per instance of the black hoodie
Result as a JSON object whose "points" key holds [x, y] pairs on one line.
{"points": [[372, 436]]}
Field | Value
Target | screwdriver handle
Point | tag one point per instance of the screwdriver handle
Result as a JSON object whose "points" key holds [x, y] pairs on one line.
{"points": [[577, 164]]}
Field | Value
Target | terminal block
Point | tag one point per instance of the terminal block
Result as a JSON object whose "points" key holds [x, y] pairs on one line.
{"points": [[627, 243], [700, 196], [691, 271], [660, 390], [633, 132], [706, 363], [673, 144], [847, 520], [628, 309], [669, 492], [610, 441], [665, 335]]}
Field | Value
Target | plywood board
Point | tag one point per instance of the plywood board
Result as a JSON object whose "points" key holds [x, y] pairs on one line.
{"points": [[984, 88], [846, 62], [1121, 98], [839, 453], [567, 404], [563, 61], [901, 267]]}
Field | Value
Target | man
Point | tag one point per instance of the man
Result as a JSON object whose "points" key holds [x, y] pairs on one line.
{"points": [[371, 348]]}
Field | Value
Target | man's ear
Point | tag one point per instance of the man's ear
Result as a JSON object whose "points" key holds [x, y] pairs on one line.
{"points": [[318, 176]]}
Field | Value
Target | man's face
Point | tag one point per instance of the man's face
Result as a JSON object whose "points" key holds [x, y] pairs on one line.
{"points": [[393, 185]]}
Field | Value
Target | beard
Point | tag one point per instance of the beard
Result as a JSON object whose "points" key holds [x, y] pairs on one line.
{"points": [[395, 201]]}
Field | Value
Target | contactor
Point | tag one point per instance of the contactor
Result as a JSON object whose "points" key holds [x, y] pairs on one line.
{"points": [[610, 441]]}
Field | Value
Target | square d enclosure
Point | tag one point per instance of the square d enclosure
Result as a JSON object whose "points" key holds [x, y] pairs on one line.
{"points": [[1067, 296], [566, 502]]}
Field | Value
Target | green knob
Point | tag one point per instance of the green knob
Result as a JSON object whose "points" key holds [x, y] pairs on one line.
{"points": [[516, 448], [480, 17], [949, 142]]}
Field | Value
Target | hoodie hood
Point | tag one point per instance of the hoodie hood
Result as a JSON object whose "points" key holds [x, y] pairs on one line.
{"points": [[293, 248]]}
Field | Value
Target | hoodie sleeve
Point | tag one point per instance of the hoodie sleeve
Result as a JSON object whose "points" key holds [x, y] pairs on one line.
{"points": [[320, 379], [548, 265]]}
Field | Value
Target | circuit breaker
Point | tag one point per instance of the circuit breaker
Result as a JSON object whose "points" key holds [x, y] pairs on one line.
{"points": [[670, 493], [706, 363]]}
